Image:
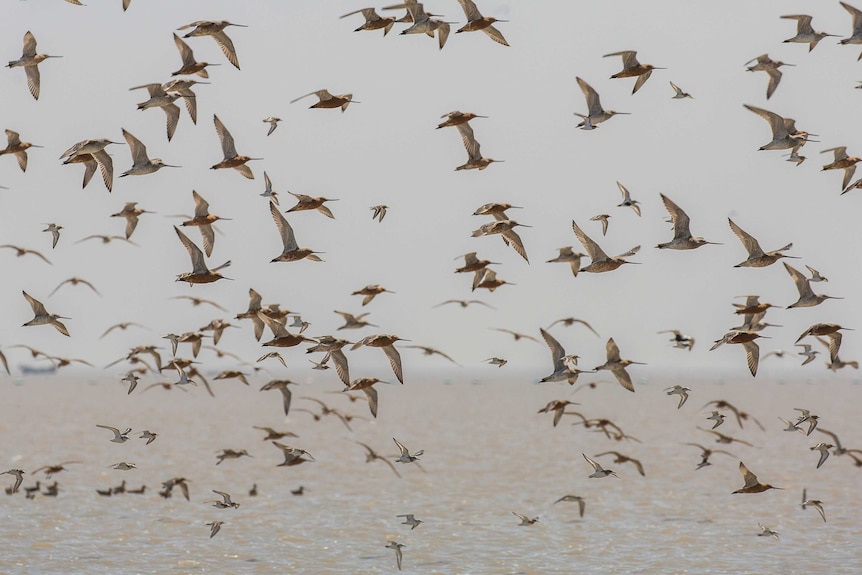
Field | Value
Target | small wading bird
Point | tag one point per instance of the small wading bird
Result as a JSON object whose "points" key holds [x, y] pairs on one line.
{"points": [[598, 470]]}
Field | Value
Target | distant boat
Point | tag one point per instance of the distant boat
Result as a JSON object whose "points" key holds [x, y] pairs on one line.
{"points": [[31, 370]]}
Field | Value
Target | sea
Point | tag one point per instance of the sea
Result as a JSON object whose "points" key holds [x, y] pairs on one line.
{"points": [[487, 454]]}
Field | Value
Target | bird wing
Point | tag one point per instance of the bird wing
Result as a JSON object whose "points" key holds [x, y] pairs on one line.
{"points": [[195, 253], [470, 142], [594, 105], [751, 245], [227, 48], [557, 350], [288, 239], [752, 355], [680, 219], [227, 144], [138, 149], [593, 250], [29, 49], [394, 361]]}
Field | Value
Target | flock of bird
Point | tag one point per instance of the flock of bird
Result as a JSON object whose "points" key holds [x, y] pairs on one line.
{"points": [[147, 361]]}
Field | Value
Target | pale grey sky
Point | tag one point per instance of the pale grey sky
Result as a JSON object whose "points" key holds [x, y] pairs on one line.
{"points": [[701, 153]]}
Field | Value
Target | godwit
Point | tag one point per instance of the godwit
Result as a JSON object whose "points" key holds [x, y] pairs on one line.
{"points": [[682, 238], [807, 297], [842, 162], [600, 261], [14, 145], [746, 338], [475, 159], [373, 21], [216, 30], [273, 124], [631, 67], [618, 366], [766, 64], [190, 65], [353, 321], [75, 281], [558, 407], [141, 163], [757, 258], [327, 100], [21, 252], [856, 36], [161, 99], [506, 229], [182, 87], [30, 60], [562, 371], [231, 454], [291, 251], [582, 504], [456, 118], [304, 202], [281, 337], [476, 22], [784, 132], [42, 317], [679, 94], [231, 158], [805, 34], [566, 255], [432, 351], [487, 279], [369, 292], [830, 330], [570, 321], [385, 342], [92, 153], [366, 386], [203, 220], [752, 485], [200, 273], [423, 23], [595, 113], [131, 213], [620, 458], [281, 385]]}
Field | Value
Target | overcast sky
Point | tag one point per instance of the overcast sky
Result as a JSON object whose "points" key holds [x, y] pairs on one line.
{"points": [[702, 153]]}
